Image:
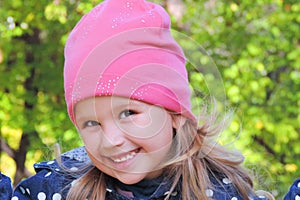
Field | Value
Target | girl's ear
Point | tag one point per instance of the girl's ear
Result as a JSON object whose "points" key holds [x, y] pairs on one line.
{"points": [[178, 121]]}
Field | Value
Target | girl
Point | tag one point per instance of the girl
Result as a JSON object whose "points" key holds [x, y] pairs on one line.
{"points": [[127, 93]]}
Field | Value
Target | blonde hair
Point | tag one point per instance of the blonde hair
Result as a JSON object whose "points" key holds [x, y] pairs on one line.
{"points": [[195, 157]]}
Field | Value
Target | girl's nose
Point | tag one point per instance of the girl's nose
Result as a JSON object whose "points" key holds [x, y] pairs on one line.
{"points": [[113, 136]]}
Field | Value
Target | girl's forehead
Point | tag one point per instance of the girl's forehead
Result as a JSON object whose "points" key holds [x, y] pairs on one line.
{"points": [[113, 101]]}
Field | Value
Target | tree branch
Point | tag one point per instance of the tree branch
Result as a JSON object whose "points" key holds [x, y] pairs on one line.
{"points": [[268, 148], [7, 149]]}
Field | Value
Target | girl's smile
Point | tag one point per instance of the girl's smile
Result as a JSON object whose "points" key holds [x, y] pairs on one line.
{"points": [[123, 158], [125, 138]]}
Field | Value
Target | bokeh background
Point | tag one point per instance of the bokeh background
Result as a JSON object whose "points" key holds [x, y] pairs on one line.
{"points": [[255, 46]]}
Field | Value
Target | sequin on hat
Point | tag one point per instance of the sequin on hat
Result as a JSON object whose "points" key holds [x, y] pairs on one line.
{"points": [[125, 48]]}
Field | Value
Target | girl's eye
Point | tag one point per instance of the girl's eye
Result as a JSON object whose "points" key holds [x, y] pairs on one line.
{"points": [[90, 124], [127, 113]]}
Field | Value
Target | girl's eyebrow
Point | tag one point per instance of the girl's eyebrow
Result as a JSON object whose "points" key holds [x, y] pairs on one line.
{"points": [[85, 118], [129, 103]]}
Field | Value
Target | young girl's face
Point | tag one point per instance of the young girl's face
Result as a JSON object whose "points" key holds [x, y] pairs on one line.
{"points": [[126, 139]]}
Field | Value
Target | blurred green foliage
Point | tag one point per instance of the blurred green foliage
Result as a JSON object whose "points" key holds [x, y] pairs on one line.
{"points": [[250, 49]]}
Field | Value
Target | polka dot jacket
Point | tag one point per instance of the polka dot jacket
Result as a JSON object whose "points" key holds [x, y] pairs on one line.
{"points": [[5, 187], [51, 182], [294, 192]]}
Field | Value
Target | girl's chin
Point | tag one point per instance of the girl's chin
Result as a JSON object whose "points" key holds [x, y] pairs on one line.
{"points": [[132, 178]]}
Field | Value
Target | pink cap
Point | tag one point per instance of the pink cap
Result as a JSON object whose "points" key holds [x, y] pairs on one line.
{"points": [[125, 48]]}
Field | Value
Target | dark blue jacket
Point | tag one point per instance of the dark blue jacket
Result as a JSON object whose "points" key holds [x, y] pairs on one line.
{"points": [[294, 192], [5, 187], [51, 182]]}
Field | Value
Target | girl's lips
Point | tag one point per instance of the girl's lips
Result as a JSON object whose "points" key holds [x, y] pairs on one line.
{"points": [[125, 157]]}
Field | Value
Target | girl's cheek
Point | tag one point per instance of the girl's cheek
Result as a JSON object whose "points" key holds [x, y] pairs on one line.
{"points": [[91, 139]]}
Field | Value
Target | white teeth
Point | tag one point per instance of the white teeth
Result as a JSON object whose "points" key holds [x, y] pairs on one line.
{"points": [[125, 158]]}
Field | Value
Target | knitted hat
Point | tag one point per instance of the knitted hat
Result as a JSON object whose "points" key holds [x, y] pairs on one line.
{"points": [[125, 48]]}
